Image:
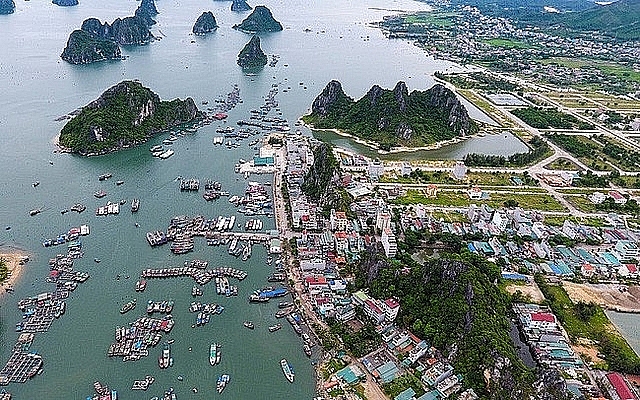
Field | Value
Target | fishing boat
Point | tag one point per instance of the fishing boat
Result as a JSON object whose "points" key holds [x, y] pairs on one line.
{"points": [[141, 285], [165, 358], [307, 350], [156, 148], [135, 205], [128, 306], [223, 381], [166, 154], [285, 304], [118, 183], [248, 324], [287, 369], [214, 354], [275, 327]]}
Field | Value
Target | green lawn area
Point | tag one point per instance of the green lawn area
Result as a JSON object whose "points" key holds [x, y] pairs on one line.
{"points": [[562, 164], [508, 43], [542, 202], [445, 178], [582, 203], [558, 220]]}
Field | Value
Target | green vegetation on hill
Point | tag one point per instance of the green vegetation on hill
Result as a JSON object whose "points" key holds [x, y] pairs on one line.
{"points": [[251, 56], [620, 19], [126, 114], [84, 48], [546, 118], [453, 303], [4, 271], [393, 117], [260, 20], [589, 321]]}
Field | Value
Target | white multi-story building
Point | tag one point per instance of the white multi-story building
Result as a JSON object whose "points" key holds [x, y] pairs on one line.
{"points": [[383, 221], [388, 240]]}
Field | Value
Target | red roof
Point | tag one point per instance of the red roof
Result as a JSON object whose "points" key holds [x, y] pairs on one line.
{"points": [[620, 386], [546, 317], [373, 306], [616, 195], [341, 215], [392, 303], [632, 268], [341, 235]]}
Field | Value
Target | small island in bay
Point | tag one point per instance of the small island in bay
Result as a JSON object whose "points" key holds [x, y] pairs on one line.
{"points": [[65, 3], [84, 48], [125, 31], [205, 23], [7, 6], [260, 20], [240, 5], [393, 117], [146, 11], [252, 56], [125, 115]]}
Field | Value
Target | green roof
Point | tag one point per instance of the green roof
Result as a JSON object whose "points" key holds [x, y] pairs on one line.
{"points": [[406, 395]]}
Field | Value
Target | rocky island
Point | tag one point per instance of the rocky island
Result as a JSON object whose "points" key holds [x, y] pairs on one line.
{"points": [[252, 56], [205, 23], [240, 5], [65, 3], [146, 11], [84, 48], [260, 20], [7, 6], [125, 115], [125, 31], [393, 117]]}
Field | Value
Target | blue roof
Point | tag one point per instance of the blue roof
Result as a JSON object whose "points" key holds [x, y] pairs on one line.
{"points": [[405, 395], [348, 375], [432, 395], [514, 277]]}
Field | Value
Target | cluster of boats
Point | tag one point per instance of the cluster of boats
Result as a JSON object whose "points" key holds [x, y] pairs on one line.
{"points": [[143, 384], [108, 209], [70, 236], [222, 382], [224, 288], [188, 185], [141, 285], [253, 225], [160, 152], [163, 307], [132, 342]]}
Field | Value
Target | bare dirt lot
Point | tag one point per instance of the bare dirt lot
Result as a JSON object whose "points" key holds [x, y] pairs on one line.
{"points": [[615, 297]]}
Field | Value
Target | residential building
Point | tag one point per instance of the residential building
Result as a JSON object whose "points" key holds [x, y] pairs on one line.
{"points": [[460, 171], [627, 250], [391, 308], [388, 240]]}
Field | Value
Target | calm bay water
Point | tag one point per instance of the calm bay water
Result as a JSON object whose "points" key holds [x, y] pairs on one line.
{"points": [[37, 87], [628, 326]]}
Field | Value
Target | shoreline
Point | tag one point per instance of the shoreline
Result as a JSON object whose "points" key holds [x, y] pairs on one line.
{"points": [[16, 260], [393, 150]]}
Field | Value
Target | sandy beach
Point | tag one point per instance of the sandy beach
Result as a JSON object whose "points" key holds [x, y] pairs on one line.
{"points": [[609, 296], [15, 260]]}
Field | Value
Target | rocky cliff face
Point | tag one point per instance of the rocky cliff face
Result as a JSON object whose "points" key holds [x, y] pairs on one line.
{"points": [[252, 56], [240, 5], [331, 96], [84, 48], [260, 20], [124, 115], [392, 117], [125, 31], [7, 6], [65, 3], [146, 11], [205, 23]]}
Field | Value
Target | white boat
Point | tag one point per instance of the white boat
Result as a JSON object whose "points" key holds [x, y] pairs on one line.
{"points": [[214, 354], [166, 154], [287, 369]]}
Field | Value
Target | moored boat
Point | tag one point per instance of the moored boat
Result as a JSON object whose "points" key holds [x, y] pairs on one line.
{"points": [[248, 324], [287, 369], [128, 306], [223, 381], [275, 327], [214, 354]]}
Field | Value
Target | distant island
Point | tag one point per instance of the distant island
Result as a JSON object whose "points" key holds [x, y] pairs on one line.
{"points": [[260, 20], [65, 3], [96, 41], [205, 23], [84, 48], [240, 5], [125, 115], [7, 6], [252, 56], [393, 117]]}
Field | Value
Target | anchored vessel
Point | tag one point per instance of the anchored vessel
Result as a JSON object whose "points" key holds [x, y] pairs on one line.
{"points": [[287, 369]]}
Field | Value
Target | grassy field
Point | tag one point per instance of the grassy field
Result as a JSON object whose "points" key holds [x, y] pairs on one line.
{"points": [[562, 164], [444, 178], [487, 107], [582, 203], [542, 202]]}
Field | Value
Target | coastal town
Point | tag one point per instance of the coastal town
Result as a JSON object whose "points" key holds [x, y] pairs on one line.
{"points": [[489, 275]]}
